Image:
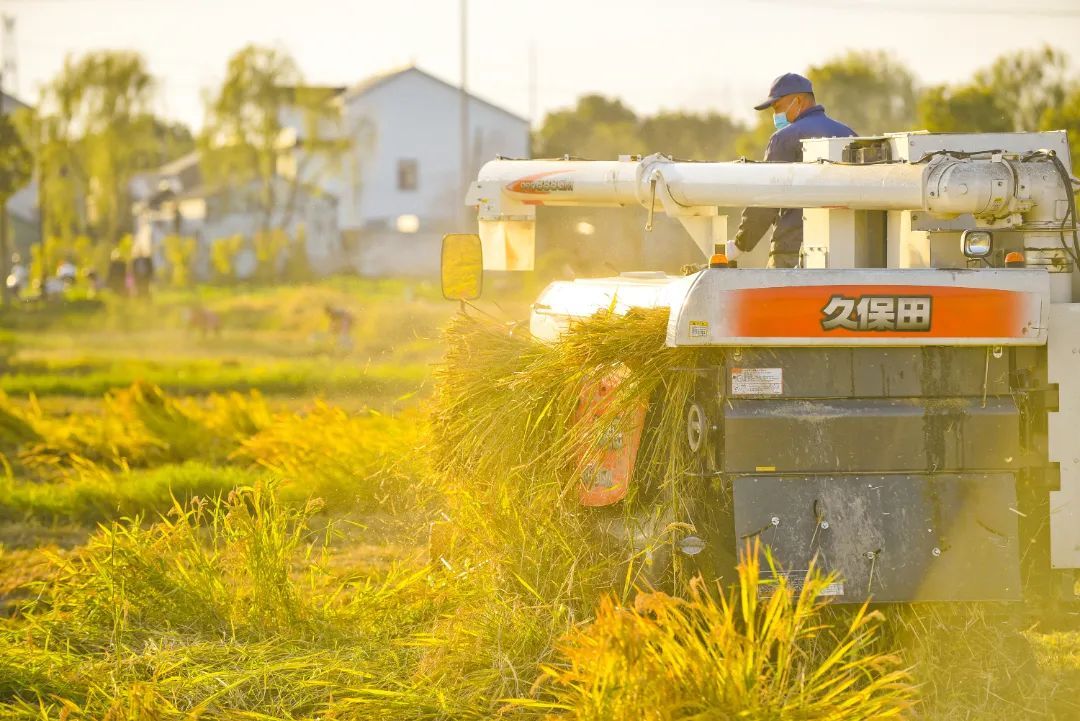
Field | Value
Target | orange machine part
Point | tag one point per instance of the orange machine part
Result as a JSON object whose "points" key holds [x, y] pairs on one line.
{"points": [[796, 311], [606, 480]]}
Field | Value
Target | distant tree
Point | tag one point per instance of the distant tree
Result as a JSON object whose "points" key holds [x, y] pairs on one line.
{"points": [[246, 141], [1016, 92], [180, 258], [223, 252], [1026, 84], [963, 109], [171, 141], [753, 142], [297, 260], [269, 248], [16, 168], [16, 162], [871, 91], [1066, 116], [94, 130], [597, 127], [710, 136], [604, 128]]}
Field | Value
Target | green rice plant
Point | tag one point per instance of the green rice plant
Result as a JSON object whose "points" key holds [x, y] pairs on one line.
{"points": [[123, 588], [95, 437], [223, 610], [743, 654], [93, 377], [86, 493], [16, 427]]}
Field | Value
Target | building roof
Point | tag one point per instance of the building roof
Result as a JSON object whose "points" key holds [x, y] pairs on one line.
{"points": [[210, 190], [179, 165], [10, 102], [312, 94], [23, 204], [376, 81]]}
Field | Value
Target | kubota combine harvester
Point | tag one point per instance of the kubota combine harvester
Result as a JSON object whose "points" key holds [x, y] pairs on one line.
{"points": [[905, 406]]}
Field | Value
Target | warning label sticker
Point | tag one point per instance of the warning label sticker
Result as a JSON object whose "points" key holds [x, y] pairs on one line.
{"points": [[699, 329], [757, 381]]}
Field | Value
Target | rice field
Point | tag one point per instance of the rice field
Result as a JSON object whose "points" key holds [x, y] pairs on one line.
{"points": [[272, 522]]}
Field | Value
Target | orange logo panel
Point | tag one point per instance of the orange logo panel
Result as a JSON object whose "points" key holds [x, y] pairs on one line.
{"points": [[898, 311]]}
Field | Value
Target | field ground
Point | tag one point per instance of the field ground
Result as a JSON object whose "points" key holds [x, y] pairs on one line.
{"points": [[60, 361], [235, 525]]}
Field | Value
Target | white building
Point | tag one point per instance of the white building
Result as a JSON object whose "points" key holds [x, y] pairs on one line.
{"points": [[380, 202], [176, 201], [401, 190]]}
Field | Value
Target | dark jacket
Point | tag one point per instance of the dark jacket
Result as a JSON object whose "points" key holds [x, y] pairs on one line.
{"points": [[785, 146]]}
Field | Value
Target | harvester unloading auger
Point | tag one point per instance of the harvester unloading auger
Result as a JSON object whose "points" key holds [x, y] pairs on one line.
{"points": [[905, 406]]}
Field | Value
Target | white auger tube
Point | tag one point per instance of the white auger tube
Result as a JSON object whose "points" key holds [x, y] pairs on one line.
{"points": [[507, 192]]}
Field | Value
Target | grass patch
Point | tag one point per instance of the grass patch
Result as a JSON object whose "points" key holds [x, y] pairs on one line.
{"points": [[91, 377], [91, 495], [220, 610]]}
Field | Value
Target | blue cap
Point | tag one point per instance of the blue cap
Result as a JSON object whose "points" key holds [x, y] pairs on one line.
{"points": [[786, 84]]}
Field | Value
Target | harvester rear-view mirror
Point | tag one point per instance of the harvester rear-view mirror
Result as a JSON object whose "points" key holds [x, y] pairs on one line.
{"points": [[462, 267]]}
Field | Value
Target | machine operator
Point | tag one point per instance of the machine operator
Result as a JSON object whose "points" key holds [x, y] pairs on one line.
{"points": [[796, 115]]}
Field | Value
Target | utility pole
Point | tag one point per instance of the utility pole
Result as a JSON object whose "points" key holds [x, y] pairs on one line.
{"points": [[532, 85], [5, 243], [464, 109], [6, 67]]}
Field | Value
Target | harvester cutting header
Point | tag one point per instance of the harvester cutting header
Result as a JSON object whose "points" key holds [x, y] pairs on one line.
{"points": [[905, 404]]}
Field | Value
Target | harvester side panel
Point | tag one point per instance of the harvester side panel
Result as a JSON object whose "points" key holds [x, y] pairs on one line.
{"points": [[897, 467], [859, 372], [895, 538], [1063, 368], [858, 434]]}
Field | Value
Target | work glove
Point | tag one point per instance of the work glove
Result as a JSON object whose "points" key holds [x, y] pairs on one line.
{"points": [[731, 250]]}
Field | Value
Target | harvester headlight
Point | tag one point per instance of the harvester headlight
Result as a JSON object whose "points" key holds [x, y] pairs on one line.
{"points": [[977, 243]]}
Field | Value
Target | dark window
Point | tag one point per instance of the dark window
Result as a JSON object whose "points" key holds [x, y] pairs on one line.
{"points": [[408, 175]]}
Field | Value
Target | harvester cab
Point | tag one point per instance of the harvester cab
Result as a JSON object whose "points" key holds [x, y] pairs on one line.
{"points": [[904, 406]]}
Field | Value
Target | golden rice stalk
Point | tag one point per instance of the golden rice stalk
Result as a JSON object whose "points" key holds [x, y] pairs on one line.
{"points": [[742, 655]]}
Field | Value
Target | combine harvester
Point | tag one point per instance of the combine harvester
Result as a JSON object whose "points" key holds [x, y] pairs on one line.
{"points": [[905, 406]]}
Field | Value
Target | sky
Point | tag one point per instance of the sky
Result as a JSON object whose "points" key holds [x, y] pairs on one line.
{"points": [[654, 54]]}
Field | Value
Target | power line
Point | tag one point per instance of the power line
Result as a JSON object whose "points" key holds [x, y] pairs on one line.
{"points": [[908, 8]]}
